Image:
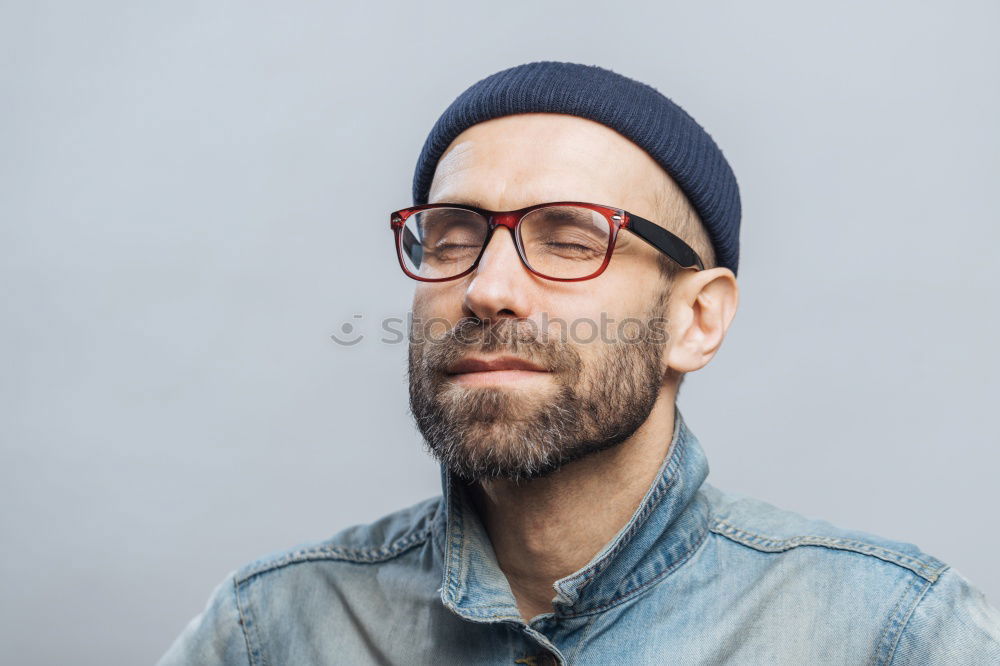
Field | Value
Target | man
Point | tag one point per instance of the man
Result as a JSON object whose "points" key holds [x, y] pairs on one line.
{"points": [[575, 239]]}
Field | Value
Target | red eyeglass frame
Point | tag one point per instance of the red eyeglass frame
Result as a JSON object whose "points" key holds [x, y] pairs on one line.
{"points": [[618, 219]]}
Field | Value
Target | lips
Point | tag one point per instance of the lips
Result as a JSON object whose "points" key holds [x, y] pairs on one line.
{"points": [[471, 365]]}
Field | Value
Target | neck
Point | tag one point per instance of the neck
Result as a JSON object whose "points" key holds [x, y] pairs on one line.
{"points": [[548, 528]]}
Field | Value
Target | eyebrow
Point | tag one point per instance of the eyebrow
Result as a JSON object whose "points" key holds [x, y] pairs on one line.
{"points": [[460, 201]]}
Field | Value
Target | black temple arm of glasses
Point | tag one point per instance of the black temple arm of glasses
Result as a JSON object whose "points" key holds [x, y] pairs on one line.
{"points": [[664, 241]]}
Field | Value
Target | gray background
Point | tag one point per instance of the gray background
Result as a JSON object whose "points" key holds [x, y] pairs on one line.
{"points": [[179, 183]]}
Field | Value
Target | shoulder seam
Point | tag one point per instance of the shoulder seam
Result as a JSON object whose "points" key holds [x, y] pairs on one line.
{"points": [[338, 553], [928, 570], [247, 623], [893, 641]]}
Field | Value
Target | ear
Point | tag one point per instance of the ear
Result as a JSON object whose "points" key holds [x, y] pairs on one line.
{"points": [[701, 308]]}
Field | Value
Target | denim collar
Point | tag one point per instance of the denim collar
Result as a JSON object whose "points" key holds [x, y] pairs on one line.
{"points": [[667, 527]]}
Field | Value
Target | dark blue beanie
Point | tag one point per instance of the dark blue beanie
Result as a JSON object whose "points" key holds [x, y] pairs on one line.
{"points": [[633, 109]]}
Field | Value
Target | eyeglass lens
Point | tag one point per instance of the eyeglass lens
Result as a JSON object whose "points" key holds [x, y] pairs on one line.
{"points": [[563, 242]]}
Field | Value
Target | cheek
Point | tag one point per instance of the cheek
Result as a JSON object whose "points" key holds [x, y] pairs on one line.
{"points": [[594, 322], [421, 301], [603, 305], [444, 301]]}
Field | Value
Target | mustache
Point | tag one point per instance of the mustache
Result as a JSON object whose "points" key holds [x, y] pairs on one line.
{"points": [[517, 337]]}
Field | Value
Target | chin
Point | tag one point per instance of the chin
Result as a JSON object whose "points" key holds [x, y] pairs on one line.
{"points": [[532, 390]]}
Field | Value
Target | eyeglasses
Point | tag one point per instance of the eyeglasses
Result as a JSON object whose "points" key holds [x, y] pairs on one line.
{"points": [[566, 241]]}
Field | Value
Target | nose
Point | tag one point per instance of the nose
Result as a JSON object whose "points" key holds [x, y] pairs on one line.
{"points": [[500, 284]]}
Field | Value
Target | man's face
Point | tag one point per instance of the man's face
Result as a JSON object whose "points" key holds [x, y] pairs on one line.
{"points": [[533, 373]]}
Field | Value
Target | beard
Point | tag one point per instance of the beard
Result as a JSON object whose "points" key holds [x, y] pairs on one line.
{"points": [[487, 433]]}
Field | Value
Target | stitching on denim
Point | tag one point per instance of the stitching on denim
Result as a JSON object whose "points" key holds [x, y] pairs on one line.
{"points": [[438, 522], [485, 613], [255, 654], [463, 561], [899, 624], [457, 541], [893, 620], [243, 622], [631, 593], [489, 612], [340, 553], [771, 544]]}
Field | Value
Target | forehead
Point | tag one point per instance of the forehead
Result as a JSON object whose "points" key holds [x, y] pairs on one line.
{"points": [[517, 161]]}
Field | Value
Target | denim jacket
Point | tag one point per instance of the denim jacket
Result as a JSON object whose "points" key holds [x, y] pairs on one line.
{"points": [[697, 576]]}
